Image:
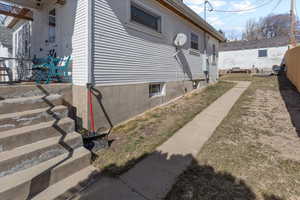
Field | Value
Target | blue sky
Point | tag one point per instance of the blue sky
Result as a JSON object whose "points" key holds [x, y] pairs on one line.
{"points": [[234, 23]]}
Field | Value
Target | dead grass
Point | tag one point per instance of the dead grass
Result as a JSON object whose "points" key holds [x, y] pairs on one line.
{"points": [[237, 77], [252, 153], [138, 137]]}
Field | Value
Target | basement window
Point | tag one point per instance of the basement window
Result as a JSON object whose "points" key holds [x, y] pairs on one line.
{"points": [[52, 26], [156, 89], [194, 41], [145, 17], [262, 53]]}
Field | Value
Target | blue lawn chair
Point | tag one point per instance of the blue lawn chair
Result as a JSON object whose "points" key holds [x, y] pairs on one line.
{"points": [[52, 69], [40, 69], [60, 68]]}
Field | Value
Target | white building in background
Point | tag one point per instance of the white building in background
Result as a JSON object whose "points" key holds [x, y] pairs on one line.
{"points": [[261, 54]]}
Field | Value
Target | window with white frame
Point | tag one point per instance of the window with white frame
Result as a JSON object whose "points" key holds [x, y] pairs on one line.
{"points": [[194, 41], [144, 17], [52, 26], [156, 89], [262, 53]]}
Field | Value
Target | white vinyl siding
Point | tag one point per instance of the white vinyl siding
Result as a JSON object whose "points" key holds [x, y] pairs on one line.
{"points": [[125, 55], [80, 43]]}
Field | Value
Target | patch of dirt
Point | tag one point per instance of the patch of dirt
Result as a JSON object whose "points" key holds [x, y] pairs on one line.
{"points": [[268, 112], [257, 147]]}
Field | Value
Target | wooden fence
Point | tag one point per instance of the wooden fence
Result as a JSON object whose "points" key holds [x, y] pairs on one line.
{"points": [[292, 61]]}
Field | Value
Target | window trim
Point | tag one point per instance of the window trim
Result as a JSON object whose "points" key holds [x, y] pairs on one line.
{"points": [[140, 27], [265, 50], [191, 41], [162, 89], [148, 12]]}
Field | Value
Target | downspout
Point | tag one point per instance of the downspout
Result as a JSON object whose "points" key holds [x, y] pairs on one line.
{"points": [[206, 71], [90, 82]]}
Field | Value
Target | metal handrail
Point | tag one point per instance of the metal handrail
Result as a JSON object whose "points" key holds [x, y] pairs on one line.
{"points": [[20, 68]]}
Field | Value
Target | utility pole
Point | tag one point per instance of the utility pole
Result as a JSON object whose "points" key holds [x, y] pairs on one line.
{"points": [[205, 3], [293, 24]]}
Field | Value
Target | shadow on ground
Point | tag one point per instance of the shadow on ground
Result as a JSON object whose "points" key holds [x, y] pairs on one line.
{"points": [[155, 175], [291, 98]]}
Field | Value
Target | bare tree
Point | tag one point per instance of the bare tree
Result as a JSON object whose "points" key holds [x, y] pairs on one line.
{"points": [[233, 35], [267, 27]]}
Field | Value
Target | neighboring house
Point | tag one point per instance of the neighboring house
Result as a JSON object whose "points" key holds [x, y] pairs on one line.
{"points": [[5, 51], [5, 42], [261, 54], [124, 48]]}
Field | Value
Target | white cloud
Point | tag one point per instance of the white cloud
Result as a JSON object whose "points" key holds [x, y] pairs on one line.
{"points": [[215, 21], [243, 5], [218, 3], [198, 5], [197, 9]]}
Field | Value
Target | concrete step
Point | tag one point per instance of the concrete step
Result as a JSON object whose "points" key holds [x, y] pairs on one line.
{"points": [[31, 117], [27, 156], [29, 103], [30, 134], [58, 189], [47, 179], [31, 89]]}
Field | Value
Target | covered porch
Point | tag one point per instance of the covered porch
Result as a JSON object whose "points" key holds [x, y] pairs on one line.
{"points": [[42, 30]]}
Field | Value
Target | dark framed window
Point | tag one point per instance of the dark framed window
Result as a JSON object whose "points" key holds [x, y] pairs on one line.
{"points": [[194, 41], [214, 53], [52, 26], [145, 17], [155, 89], [263, 53]]}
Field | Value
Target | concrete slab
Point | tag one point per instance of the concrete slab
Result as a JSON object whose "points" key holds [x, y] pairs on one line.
{"points": [[110, 188], [153, 177]]}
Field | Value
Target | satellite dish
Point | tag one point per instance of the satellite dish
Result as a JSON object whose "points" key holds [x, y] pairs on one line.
{"points": [[180, 40]]}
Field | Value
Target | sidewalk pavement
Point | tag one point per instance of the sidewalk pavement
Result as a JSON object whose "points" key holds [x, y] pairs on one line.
{"points": [[153, 177]]}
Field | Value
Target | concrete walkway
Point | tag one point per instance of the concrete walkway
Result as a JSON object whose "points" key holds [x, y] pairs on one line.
{"points": [[153, 177]]}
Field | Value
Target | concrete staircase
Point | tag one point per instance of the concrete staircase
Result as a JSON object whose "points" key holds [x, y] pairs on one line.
{"points": [[41, 155]]}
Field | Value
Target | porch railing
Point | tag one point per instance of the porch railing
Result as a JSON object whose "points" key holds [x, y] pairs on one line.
{"points": [[15, 70]]}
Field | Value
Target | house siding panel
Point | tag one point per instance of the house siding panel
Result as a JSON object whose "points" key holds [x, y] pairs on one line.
{"points": [[80, 44], [125, 55]]}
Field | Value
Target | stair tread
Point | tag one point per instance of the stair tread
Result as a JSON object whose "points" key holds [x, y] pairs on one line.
{"points": [[22, 130], [32, 98], [23, 176], [23, 150], [35, 111], [64, 185]]}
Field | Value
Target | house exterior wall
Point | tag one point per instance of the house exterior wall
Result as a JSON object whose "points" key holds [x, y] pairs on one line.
{"points": [[127, 58], [246, 59], [114, 104], [128, 53]]}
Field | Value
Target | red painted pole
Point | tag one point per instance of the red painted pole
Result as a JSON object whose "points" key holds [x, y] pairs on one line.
{"points": [[92, 121]]}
